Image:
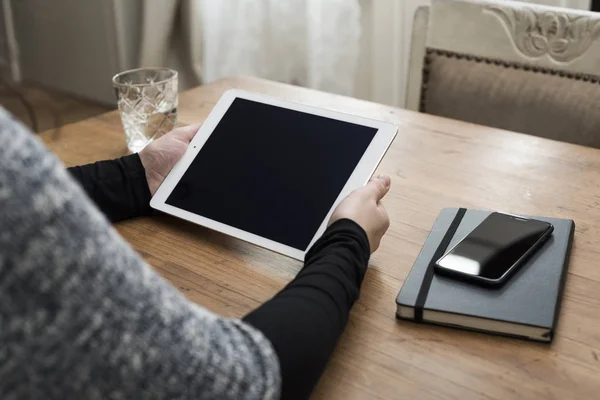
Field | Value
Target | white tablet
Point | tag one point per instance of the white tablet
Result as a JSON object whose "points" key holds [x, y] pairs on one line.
{"points": [[270, 171]]}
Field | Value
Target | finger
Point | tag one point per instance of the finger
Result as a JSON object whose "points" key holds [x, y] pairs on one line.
{"points": [[186, 133], [378, 187]]}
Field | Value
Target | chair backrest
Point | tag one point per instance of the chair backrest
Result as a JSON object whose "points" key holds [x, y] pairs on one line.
{"points": [[511, 65]]}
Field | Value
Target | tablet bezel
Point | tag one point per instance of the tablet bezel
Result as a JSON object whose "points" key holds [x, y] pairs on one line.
{"points": [[361, 174]]}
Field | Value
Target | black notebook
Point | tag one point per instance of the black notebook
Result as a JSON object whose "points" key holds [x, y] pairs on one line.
{"points": [[527, 306]]}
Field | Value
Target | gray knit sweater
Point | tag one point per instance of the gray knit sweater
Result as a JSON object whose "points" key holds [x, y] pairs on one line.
{"points": [[83, 316]]}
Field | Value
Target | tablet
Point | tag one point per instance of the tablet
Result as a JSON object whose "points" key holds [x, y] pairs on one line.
{"points": [[270, 171]]}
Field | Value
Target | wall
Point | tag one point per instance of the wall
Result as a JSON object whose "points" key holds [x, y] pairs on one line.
{"points": [[77, 45]]}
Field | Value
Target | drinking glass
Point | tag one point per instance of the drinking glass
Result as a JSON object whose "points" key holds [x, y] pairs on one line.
{"points": [[147, 100]]}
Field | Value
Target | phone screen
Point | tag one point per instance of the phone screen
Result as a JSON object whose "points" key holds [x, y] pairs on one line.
{"points": [[494, 246]]}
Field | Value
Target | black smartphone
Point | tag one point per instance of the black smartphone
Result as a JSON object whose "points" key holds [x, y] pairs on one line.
{"points": [[495, 249]]}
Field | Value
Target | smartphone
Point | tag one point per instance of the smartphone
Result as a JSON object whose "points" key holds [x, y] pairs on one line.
{"points": [[495, 249]]}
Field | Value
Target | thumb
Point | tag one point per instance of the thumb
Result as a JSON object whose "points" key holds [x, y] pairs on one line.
{"points": [[378, 187], [186, 133]]}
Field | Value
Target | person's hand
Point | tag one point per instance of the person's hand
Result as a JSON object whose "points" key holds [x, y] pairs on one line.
{"points": [[364, 207], [159, 157]]}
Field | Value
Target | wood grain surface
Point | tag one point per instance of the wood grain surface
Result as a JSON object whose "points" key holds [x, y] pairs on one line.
{"points": [[434, 163]]}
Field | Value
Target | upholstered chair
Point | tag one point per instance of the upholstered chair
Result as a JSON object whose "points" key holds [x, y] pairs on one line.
{"points": [[510, 65]]}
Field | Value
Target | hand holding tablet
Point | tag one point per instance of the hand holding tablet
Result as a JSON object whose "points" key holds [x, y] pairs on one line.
{"points": [[363, 207], [159, 157], [270, 171]]}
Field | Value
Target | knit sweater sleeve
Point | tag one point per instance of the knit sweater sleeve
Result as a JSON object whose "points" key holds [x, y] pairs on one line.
{"points": [[83, 316]]}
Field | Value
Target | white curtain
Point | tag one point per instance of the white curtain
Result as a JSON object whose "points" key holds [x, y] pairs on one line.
{"points": [[313, 43]]}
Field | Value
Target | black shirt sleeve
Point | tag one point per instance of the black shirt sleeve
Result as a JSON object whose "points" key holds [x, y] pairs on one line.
{"points": [[118, 187], [305, 320]]}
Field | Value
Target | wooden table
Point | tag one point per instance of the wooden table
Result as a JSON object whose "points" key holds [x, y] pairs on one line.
{"points": [[434, 163]]}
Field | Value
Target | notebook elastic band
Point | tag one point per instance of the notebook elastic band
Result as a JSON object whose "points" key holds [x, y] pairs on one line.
{"points": [[439, 252]]}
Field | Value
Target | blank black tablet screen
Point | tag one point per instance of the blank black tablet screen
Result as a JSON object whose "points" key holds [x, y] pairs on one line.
{"points": [[272, 171]]}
